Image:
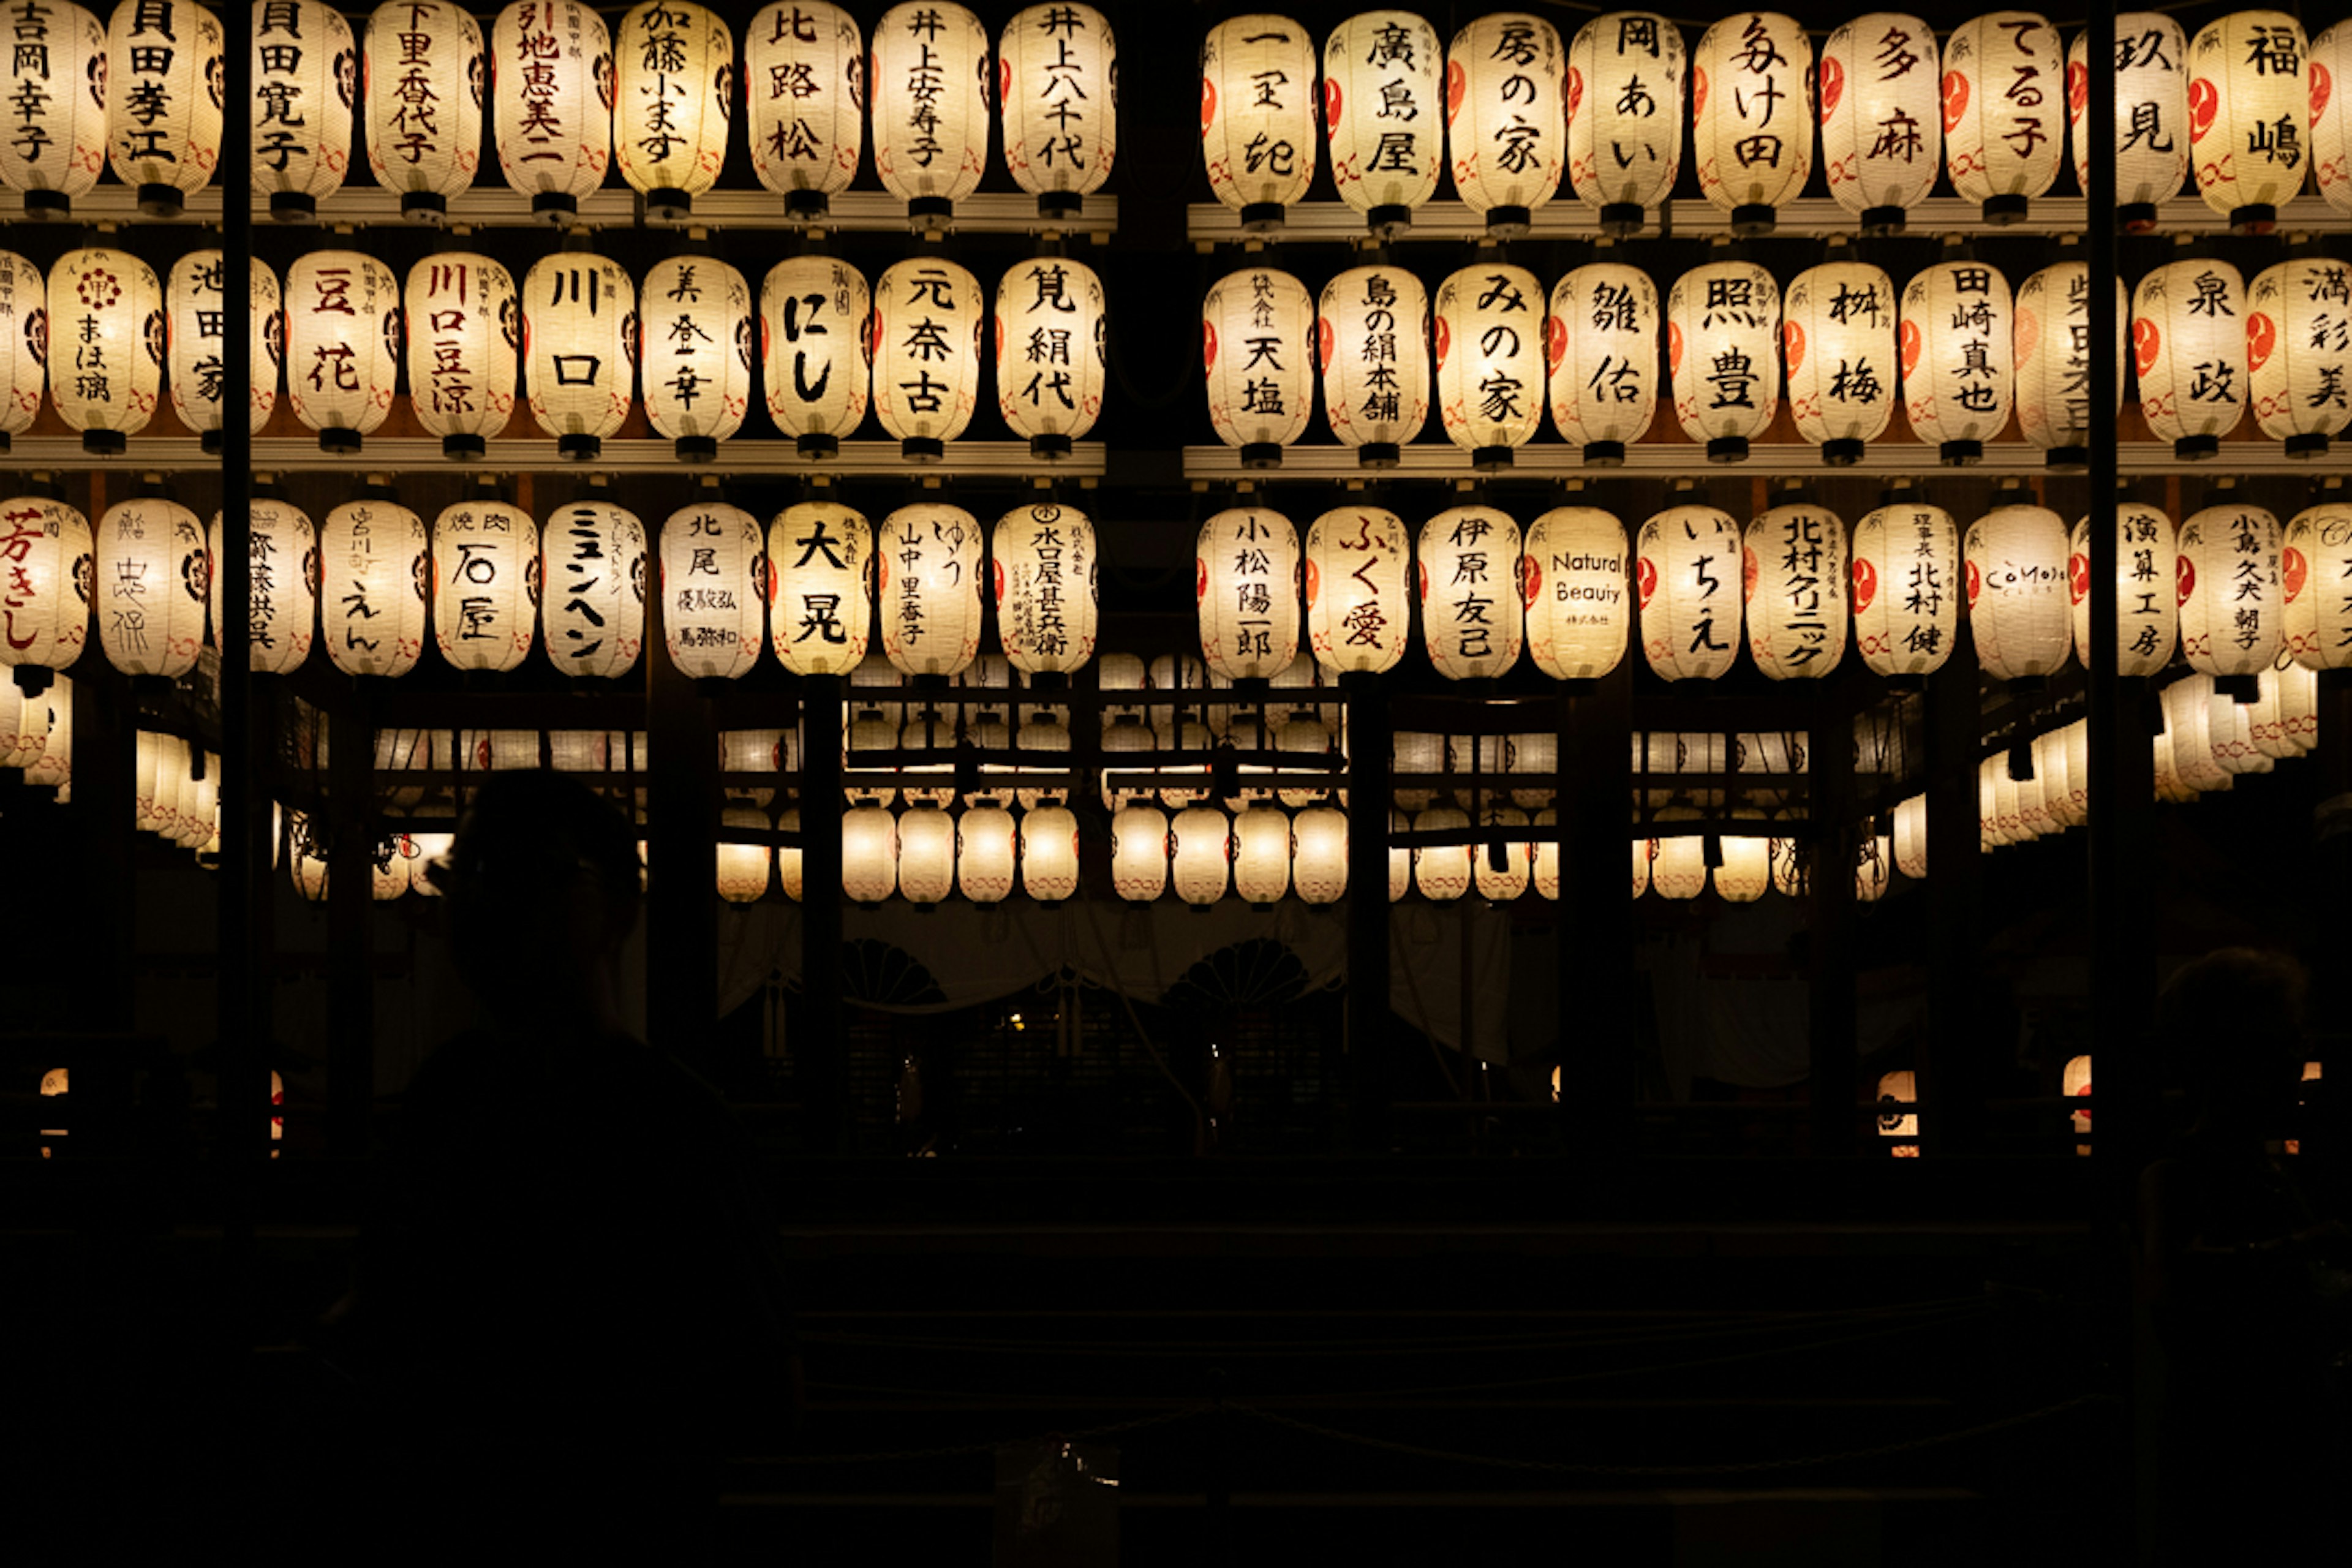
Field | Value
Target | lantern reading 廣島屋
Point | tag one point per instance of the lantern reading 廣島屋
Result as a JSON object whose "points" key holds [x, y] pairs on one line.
{"points": [[1372, 344], [1043, 557], [2189, 345], [1384, 96], [1723, 353], [486, 585], [930, 89], [815, 356], [2149, 144], [465, 326], [2017, 615], [2004, 106], [1357, 617], [151, 554], [45, 591], [1489, 348], [55, 84], [1957, 342], [107, 304], [2232, 605], [424, 82], [1245, 577], [160, 86], [2299, 351], [1626, 115], [1794, 571], [2314, 570], [1837, 342], [2051, 335], [673, 98], [1572, 580], [342, 344], [1688, 574], [1600, 358], [926, 354], [2145, 602], [580, 345], [1057, 78], [373, 567], [714, 589], [195, 319], [1257, 116], [1882, 125], [1050, 365], [2249, 116], [1257, 329], [552, 79], [592, 578], [1507, 118], [305, 80], [282, 592], [927, 588], [804, 92], [820, 587], [1752, 116], [695, 352], [1468, 574]]}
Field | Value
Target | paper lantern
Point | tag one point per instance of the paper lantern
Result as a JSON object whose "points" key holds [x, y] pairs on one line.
{"points": [[1357, 617], [1490, 341], [1200, 845], [2189, 344], [1957, 347], [1319, 856], [789, 874], [1837, 342], [1382, 101], [2315, 573], [1874, 865], [1441, 872], [931, 93], [552, 77], [1572, 582], [2151, 152], [373, 567], [1678, 861], [2017, 591], [1794, 572], [1050, 366], [1372, 344], [1500, 883], [820, 582], [1626, 115], [1752, 116], [107, 306], [464, 327], [1045, 732], [2299, 351], [1467, 579], [1058, 74], [1138, 853], [1905, 571], [869, 855], [425, 78], [2065, 790], [926, 352], [985, 862], [1044, 571], [1049, 854], [1546, 863], [389, 871], [1507, 118], [47, 570], [927, 859], [153, 577], [1257, 116], [695, 351], [1911, 838], [342, 344], [2249, 116], [194, 314], [928, 591], [2232, 605], [55, 83], [24, 725], [24, 345], [2004, 92], [1601, 359], [2331, 142], [2188, 727], [1256, 355], [282, 568], [54, 768], [1896, 1122], [814, 353], [1688, 572], [804, 90], [1261, 849], [486, 574], [1641, 848], [160, 86], [1723, 354], [1882, 125], [309, 860], [2145, 602], [305, 81], [593, 572], [1746, 873], [673, 97], [2051, 334], [743, 867], [714, 584], [580, 345], [1245, 580]]}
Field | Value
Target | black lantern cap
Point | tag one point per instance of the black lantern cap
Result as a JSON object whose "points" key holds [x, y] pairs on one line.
{"points": [[2002, 211], [49, 206], [1049, 448], [807, 206], [1263, 217], [161, 201], [1753, 220], [463, 448], [1726, 449], [2255, 217], [669, 204], [2197, 448], [1061, 204], [104, 443], [2067, 459], [1842, 453], [1509, 222], [1880, 221], [818, 447], [293, 206], [922, 449], [698, 449], [578, 448], [338, 440], [2306, 446], [423, 206], [1261, 453], [928, 211], [554, 206], [1960, 454], [1390, 219], [1603, 454], [1490, 460], [1378, 455], [2136, 217], [1621, 218]]}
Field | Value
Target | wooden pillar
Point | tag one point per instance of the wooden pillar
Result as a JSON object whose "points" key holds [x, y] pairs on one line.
{"points": [[1599, 1065], [820, 1048], [1952, 1078], [105, 812], [1372, 1041], [350, 920], [682, 800], [1831, 1006]]}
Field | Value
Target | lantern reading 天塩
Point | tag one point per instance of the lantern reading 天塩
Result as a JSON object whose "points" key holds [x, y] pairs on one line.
{"points": [[926, 354], [1383, 97], [282, 592], [2249, 116], [1837, 341], [1489, 348], [1467, 573], [1752, 116], [2146, 603], [2004, 103], [1050, 365], [593, 579], [107, 304], [1043, 562], [424, 79], [1507, 118], [464, 327], [2190, 347], [2050, 338], [2299, 351], [1723, 354], [1572, 584], [2017, 574], [194, 320], [2149, 144], [804, 91], [55, 84], [1371, 343], [1357, 617], [1257, 116], [580, 345], [695, 337], [552, 77], [820, 585], [1601, 357], [1795, 571], [1882, 122], [486, 585], [160, 85], [714, 568], [2232, 605], [1956, 346], [44, 588], [927, 588], [673, 97], [1689, 573], [373, 567], [1245, 577], [815, 356], [1057, 76], [305, 81], [1626, 115], [149, 553], [1257, 351], [342, 344], [930, 89]]}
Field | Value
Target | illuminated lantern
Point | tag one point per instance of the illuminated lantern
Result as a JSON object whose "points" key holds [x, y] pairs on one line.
{"points": [[2051, 336], [1837, 341], [309, 866], [1882, 122], [1138, 853], [1723, 354], [1058, 74], [1200, 843], [1257, 352], [107, 304], [2004, 92], [1642, 849], [1689, 573], [1507, 118], [1911, 838], [24, 725], [804, 90], [1546, 863], [1356, 618], [1045, 730], [160, 85], [985, 860], [1873, 864], [1626, 115], [1897, 1092], [743, 867], [714, 583], [593, 573], [673, 97], [1050, 365], [2017, 575], [2064, 784], [47, 572], [1572, 580], [1794, 571], [580, 345], [1442, 872], [926, 352], [2076, 1085], [1257, 116], [305, 82], [1261, 856], [788, 857], [342, 344], [56, 89], [1678, 861], [2232, 605], [1319, 855], [1601, 357], [696, 336], [928, 591], [1746, 869], [1416, 751], [2314, 569], [1049, 854], [1467, 577], [149, 554], [425, 79], [1489, 328], [464, 327], [1382, 101], [1958, 343], [2299, 349], [1044, 572], [552, 77], [194, 318], [54, 768], [2188, 727], [2331, 144], [1499, 884], [814, 354], [2189, 344], [1906, 572], [1245, 578], [283, 570], [929, 88], [820, 587], [486, 585], [1371, 339], [2145, 598], [2151, 155], [1752, 116], [869, 855], [374, 568], [2249, 116]]}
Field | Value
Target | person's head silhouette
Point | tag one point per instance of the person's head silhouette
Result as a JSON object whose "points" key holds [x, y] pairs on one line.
{"points": [[2232, 1024]]}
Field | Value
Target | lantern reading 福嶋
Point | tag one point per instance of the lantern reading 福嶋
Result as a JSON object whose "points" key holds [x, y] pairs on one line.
{"points": [[804, 91], [552, 78], [424, 81], [1752, 116], [815, 356], [2249, 116], [695, 352], [1881, 121]]}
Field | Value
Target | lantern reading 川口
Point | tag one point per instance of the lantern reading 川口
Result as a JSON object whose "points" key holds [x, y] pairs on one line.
{"points": [[580, 346]]}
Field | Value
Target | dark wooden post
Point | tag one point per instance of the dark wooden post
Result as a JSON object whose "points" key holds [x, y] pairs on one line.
{"points": [[681, 854], [351, 919], [1371, 1048], [820, 1048], [1600, 1067], [1951, 1077], [1831, 1006]]}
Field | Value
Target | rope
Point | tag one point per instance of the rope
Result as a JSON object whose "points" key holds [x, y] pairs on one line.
{"points": [[1159, 1419]]}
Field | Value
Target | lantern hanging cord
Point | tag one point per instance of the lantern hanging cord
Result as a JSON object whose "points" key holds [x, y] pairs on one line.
{"points": [[1159, 1418]]}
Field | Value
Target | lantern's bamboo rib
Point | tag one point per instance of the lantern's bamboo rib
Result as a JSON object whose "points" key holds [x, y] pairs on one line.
{"points": [[412, 455], [1891, 458]]}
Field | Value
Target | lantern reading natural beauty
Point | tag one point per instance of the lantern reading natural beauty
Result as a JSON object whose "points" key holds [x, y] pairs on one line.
{"points": [[2051, 350], [1371, 341], [1723, 353], [2232, 605], [1837, 340], [150, 552], [1245, 578], [2145, 602], [1956, 346], [1626, 115], [815, 356], [1357, 617], [926, 354], [714, 568], [2299, 351], [486, 585], [283, 589], [592, 575], [1795, 572], [1688, 574], [464, 328], [2017, 576], [552, 77], [194, 320], [373, 567], [1601, 357], [2004, 102], [929, 92], [820, 587], [107, 304], [1044, 559], [45, 591], [696, 352], [55, 91], [424, 82], [580, 345], [1752, 116], [926, 589], [804, 92], [1469, 592], [1507, 118], [1489, 329], [672, 96], [1572, 580], [2151, 152], [1257, 116], [1382, 102], [1257, 351], [1050, 365], [2189, 345], [305, 79], [1057, 70], [161, 89], [1881, 121], [342, 344], [2249, 116]]}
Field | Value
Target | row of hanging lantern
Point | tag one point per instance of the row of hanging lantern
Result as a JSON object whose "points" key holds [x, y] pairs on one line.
{"points": [[565, 96], [36, 735], [2244, 106]]}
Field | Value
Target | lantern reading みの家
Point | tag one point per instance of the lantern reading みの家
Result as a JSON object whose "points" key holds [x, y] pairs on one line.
{"points": [[424, 82], [1489, 329]]}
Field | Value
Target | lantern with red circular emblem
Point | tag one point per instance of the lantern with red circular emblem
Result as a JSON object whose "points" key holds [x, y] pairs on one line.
{"points": [[1257, 329], [1057, 76], [804, 97], [2316, 576], [2017, 579], [1382, 96], [2249, 116], [695, 352], [1601, 355], [1257, 116], [2151, 155], [1723, 354], [2050, 347], [1467, 577], [2004, 106], [2233, 603], [1245, 577], [2190, 347], [929, 88], [1626, 115], [2299, 351], [1687, 573], [1356, 617], [2145, 602], [1752, 116], [1506, 117], [1489, 346], [1882, 127], [551, 82], [1957, 342], [1837, 344], [2331, 125], [1573, 579], [1371, 345], [1793, 574]]}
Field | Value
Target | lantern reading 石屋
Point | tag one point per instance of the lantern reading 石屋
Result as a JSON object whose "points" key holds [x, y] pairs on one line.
{"points": [[592, 578], [1723, 354], [1372, 344], [1138, 853], [282, 594], [1384, 96], [2004, 106], [2331, 144], [869, 855], [1601, 357], [804, 93], [929, 88], [1199, 843], [44, 588], [1958, 343], [2190, 347], [1467, 574], [926, 352], [2146, 603], [342, 344], [927, 588], [1489, 348], [2315, 573], [2299, 351], [1688, 572], [465, 327], [424, 78], [1837, 343], [486, 585], [580, 345], [1572, 584], [820, 587], [55, 83], [552, 78], [1626, 115], [160, 84], [673, 99], [1257, 116], [2149, 144], [1752, 116], [1357, 617], [1794, 569], [1057, 76], [1881, 121], [2249, 116], [2051, 342], [815, 357], [305, 83], [149, 553], [1050, 361], [1257, 329], [373, 567], [2233, 603], [714, 588], [194, 318], [1507, 118], [695, 352], [1049, 854], [2018, 613], [1245, 578], [986, 859], [108, 305], [1042, 558]]}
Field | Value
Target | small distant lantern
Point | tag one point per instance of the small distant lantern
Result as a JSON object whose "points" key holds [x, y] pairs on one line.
{"points": [[2232, 606], [2150, 153], [424, 84], [1057, 70], [2144, 599], [1138, 853], [2052, 336], [2189, 344], [1626, 115], [2249, 116], [1357, 617], [2299, 351], [1897, 1122], [108, 305], [2331, 142], [1507, 118], [926, 351], [580, 345], [789, 875], [1245, 578], [1688, 577], [1467, 577], [465, 327], [592, 574], [1536, 757], [985, 862], [1746, 874], [1678, 861], [56, 98], [743, 867], [815, 355], [342, 344], [1199, 845], [1257, 116], [1956, 346], [486, 585], [1262, 855], [1382, 94], [1572, 580], [1881, 120], [54, 768], [1601, 359], [552, 77], [1641, 848], [1044, 562], [928, 591], [696, 335], [1723, 356], [374, 568], [1489, 329], [2076, 1083], [1319, 856], [2004, 92], [161, 88], [1837, 342], [2017, 593], [2063, 790], [1546, 875], [714, 569], [1907, 575], [1911, 838], [1257, 329], [1416, 751], [1371, 345], [194, 314], [869, 855], [1046, 733], [1441, 872], [1794, 571], [1501, 873], [1049, 854], [24, 725], [2315, 571], [150, 552], [1752, 116], [1050, 359], [283, 576], [309, 866], [804, 91], [929, 89], [673, 98], [305, 82], [821, 587], [50, 569]]}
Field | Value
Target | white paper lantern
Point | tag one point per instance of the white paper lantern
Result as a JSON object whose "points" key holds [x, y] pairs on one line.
{"points": [[1058, 74], [1049, 854], [2189, 344], [1678, 861], [1911, 838], [1723, 354], [1200, 845], [55, 83], [47, 571], [815, 355], [2189, 727], [162, 88], [985, 861], [1794, 570], [2145, 600], [1319, 856], [283, 576], [1258, 355], [1641, 850], [2249, 116], [342, 344], [1626, 115], [1245, 580], [2004, 99], [927, 588], [1490, 341], [1138, 853], [1415, 752], [2232, 605], [1958, 348], [1050, 362], [1874, 865], [2331, 141], [486, 574], [1383, 98], [1572, 583], [106, 307], [374, 568], [153, 577], [2050, 338], [673, 98], [869, 855], [2299, 351], [1261, 849], [1746, 874], [24, 345], [1257, 116], [1881, 121], [1507, 118], [1906, 572], [1837, 342], [714, 585], [696, 338], [927, 842], [804, 90], [1372, 348], [551, 75], [305, 82], [580, 345], [1044, 572], [593, 572], [743, 867], [2316, 575], [24, 725], [1357, 617], [1688, 572], [2065, 791], [425, 80], [2149, 147], [1441, 873], [931, 89], [195, 318], [1600, 358], [1467, 578], [1303, 735], [820, 581], [2017, 591], [465, 326], [1499, 884], [1752, 116], [926, 352], [1897, 1093]]}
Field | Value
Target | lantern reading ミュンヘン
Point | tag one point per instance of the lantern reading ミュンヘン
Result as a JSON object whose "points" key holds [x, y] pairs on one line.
{"points": [[1258, 355], [424, 82], [2299, 351], [673, 98], [1043, 557], [1371, 341], [45, 591], [1624, 115], [2017, 615], [1058, 75], [1356, 617], [552, 78], [196, 318], [714, 589], [1752, 116], [342, 344], [2004, 108], [1050, 360], [2050, 338], [1245, 578], [1723, 354], [927, 588], [1489, 348], [373, 565], [804, 92], [820, 587], [161, 90], [1882, 122], [282, 592], [55, 84], [1956, 343], [580, 345], [1688, 572], [150, 552], [815, 356], [2189, 344], [930, 90], [464, 328], [1257, 116], [2249, 116], [2151, 141], [2145, 602], [695, 352], [107, 304], [486, 585], [1837, 342], [926, 352], [1384, 100], [305, 81], [1572, 580], [593, 578], [1601, 359], [1507, 118], [1794, 569]]}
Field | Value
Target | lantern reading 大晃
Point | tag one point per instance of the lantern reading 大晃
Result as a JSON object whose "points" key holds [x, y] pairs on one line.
{"points": [[150, 552], [930, 89], [2151, 140], [1257, 116], [927, 588], [673, 97], [2233, 603], [1043, 559], [695, 352], [552, 77], [580, 344], [2299, 351], [1752, 116], [2249, 116], [55, 84], [1957, 345], [373, 565], [1050, 363], [1626, 115], [926, 354], [1467, 572], [486, 585], [1257, 329], [107, 304], [1572, 582], [1245, 576], [2190, 347], [1688, 572], [1384, 114], [1601, 359], [342, 344], [196, 318], [714, 588], [305, 81], [282, 585], [2050, 338], [1723, 353], [44, 587], [1794, 569], [593, 579], [1837, 341], [2018, 616], [1371, 338], [820, 587], [1507, 118], [425, 79], [814, 352], [162, 91], [2004, 105], [1357, 617], [2145, 602], [465, 326], [804, 93], [2314, 572], [1881, 125], [1057, 76]]}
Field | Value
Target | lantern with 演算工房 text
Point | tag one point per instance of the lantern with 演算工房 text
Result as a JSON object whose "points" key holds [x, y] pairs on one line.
{"points": [[820, 587], [2299, 351], [1257, 116], [2004, 110], [1057, 78], [1573, 586], [930, 90], [1956, 343], [1794, 570], [2146, 603], [2190, 347], [714, 589], [1467, 575], [1752, 116], [374, 568], [1688, 574], [1356, 617], [1245, 578], [465, 327], [1837, 344], [342, 344], [1050, 358], [1489, 333], [2017, 576], [2233, 603], [1626, 115], [149, 553], [1507, 118], [1043, 562], [160, 84], [580, 346], [44, 591], [1723, 356], [1371, 345], [423, 78], [194, 318], [593, 579], [108, 305], [551, 82], [486, 585], [1258, 355], [815, 357], [2051, 355], [2249, 116], [282, 594], [694, 336], [2147, 141], [926, 348], [305, 83], [1383, 97], [804, 97], [55, 84], [673, 99], [1601, 359], [1881, 121], [927, 588]]}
